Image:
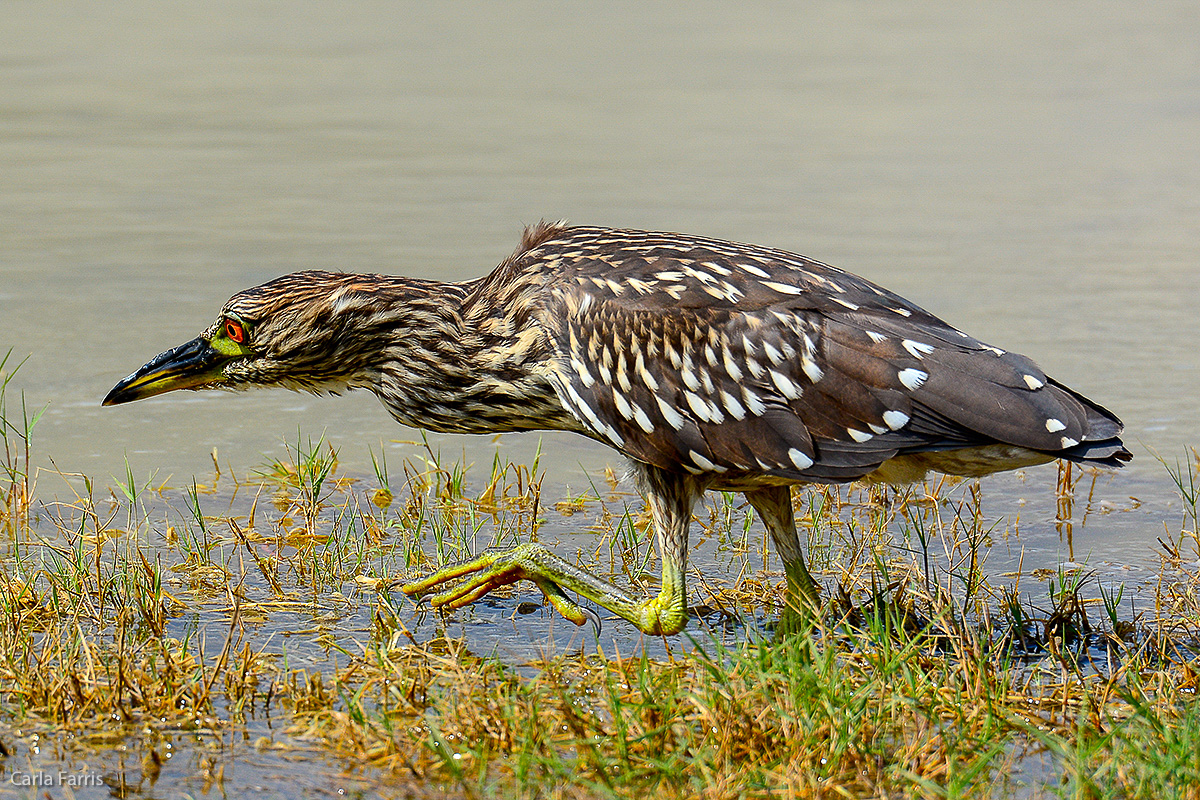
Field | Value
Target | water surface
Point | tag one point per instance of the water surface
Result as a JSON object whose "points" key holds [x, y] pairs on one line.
{"points": [[1030, 172]]}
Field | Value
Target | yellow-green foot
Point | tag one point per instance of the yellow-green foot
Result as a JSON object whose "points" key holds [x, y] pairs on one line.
{"points": [[794, 621], [662, 615], [801, 607]]}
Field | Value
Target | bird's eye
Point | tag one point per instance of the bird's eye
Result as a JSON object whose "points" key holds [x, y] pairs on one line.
{"points": [[235, 331]]}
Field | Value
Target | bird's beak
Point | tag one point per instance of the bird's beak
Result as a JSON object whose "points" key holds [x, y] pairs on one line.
{"points": [[188, 366]]}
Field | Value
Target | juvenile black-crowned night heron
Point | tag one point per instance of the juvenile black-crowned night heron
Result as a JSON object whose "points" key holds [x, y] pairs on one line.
{"points": [[708, 364]]}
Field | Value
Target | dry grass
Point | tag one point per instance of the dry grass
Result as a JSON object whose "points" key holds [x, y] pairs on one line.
{"points": [[136, 613], [907, 687]]}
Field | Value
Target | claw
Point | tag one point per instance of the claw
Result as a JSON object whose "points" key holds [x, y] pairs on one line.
{"points": [[389, 584], [592, 617]]}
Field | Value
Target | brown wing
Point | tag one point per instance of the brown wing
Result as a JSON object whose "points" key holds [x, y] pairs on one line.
{"points": [[735, 359]]}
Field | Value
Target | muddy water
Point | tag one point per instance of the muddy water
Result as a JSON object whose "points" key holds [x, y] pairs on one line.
{"points": [[1030, 173]]}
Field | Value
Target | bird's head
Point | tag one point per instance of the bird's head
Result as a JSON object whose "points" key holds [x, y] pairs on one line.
{"points": [[310, 331]]}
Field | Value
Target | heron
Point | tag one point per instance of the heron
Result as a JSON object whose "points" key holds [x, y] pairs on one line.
{"points": [[707, 364]]}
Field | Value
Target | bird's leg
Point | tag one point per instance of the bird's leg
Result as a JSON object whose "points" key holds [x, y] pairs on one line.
{"points": [[670, 498], [774, 507]]}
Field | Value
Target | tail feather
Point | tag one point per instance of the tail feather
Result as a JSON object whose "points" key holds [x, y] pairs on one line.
{"points": [[1101, 444]]}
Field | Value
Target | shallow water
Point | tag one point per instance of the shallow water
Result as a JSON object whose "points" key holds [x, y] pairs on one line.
{"points": [[261, 750], [1031, 173]]}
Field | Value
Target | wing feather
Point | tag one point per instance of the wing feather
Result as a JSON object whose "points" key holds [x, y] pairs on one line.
{"points": [[734, 360]]}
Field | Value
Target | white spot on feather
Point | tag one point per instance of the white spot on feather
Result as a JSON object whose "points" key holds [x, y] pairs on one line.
{"points": [[1067, 441], [735, 409], [644, 374], [773, 354], [876, 337], [918, 349], [731, 292], [782, 288], [913, 378], [623, 407], [895, 419], [753, 402], [672, 354], [859, 436], [673, 417], [642, 418], [1055, 425], [604, 366], [582, 371], [731, 367], [702, 408], [585, 409], [799, 459], [811, 369], [1032, 382], [613, 436], [785, 385], [623, 373]]}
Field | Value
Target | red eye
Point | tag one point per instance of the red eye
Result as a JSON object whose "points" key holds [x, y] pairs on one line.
{"points": [[235, 331]]}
